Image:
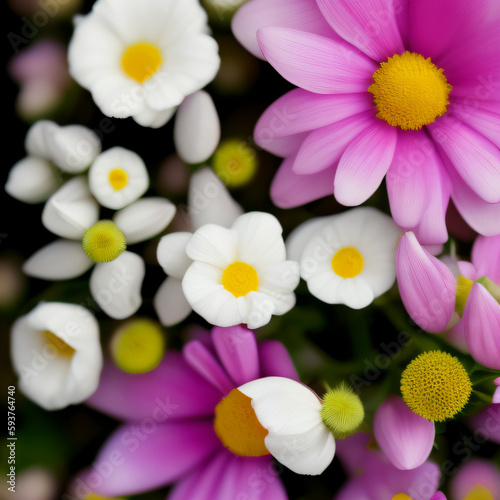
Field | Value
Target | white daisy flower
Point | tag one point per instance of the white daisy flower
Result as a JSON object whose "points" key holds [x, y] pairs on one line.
{"points": [[70, 148], [347, 258], [118, 177], [56, 353], [141, 59], [208, 202], [240, 275], [116, 280]]}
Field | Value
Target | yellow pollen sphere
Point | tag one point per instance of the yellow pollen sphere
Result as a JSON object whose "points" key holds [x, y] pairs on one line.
{"points": [[118, 179], [63, 349], [409, 91], [347, 262], [235, 163], [401, 496], [479, 493], [240, 278], [139, 346], [141, 61], [435, 385], [103, 242], [342, 411], [237, 426]]}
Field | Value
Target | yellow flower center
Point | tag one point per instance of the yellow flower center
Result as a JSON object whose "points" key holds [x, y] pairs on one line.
{"points": [[103, 242], [240, 278], [342, 411], [479, 493], [409, 91], [118, 178], [63, 349], [463, 289], [93, 496], [235, 163], [141, 61], [347, 262], [401, 496], [139, 347], [237, 426], [435, 385]]}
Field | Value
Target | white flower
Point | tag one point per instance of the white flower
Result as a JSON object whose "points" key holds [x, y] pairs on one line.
{"points": [[71, 149], [118, 177], [196, 128], [141, 59], [208, 202], [291, 413], [56, 353], [240, 275], [116, 280], [347, 258]]}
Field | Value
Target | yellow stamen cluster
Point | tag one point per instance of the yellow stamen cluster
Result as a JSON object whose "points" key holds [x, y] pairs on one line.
{"points": [[63, 349], [118, 179], [240, 278], [342, 411], [348, 262], [139, 346], [103, 242], [436, 386], [479, 492], [141, 61], [237, 426], [401, 496], [235, 162], [463, 289], [409, 91]]}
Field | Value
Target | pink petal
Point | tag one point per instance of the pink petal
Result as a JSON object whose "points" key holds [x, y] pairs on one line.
{"points": [[486, 257], [482, 326], [301, 15], [353, 451], [289, 189], [316, 63], [275, 361], [426, 285], [279, 146], [477, 471], [405, 437], [475, 158], [237, 350], [485, 122], [172, 390], [370, 25], [325, 146], [438, 496], [486, 423], [302, 111], [364, 164], [496, 394], [139, 457], [456, 336], [204, 362]]}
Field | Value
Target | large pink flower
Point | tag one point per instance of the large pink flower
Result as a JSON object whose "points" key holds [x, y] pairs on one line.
{"points": [[409, 91], [169, 432]]}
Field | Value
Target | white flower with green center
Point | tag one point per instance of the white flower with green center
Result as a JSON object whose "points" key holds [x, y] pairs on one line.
{"points": [[73, 214], [51, 151], [240, 275], [347, 258], [56, 353], [141, 59]]}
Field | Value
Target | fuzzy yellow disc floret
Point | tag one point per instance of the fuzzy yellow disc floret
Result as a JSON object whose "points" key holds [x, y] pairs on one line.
{"points": [[436, 386], [103, 242], [235, 162]]}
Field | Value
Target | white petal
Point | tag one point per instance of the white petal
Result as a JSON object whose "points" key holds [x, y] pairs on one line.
{"points": [[170, 304], [71, 210], [196, 128], [31, 180], [152, 118], [355, 293], [171, 253], [301, 235], [59, 260], [36, 141], [144, 218], [116, 285], [137, 181], [259, 239], [213, 245], [51, 380], [209, 201]]}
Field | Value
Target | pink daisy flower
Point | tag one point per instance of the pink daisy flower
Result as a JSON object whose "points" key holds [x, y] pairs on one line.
{"points": [[406, 91], [171, 434]]}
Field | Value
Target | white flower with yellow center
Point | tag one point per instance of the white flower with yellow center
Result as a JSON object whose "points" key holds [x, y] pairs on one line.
{"points": [[118, 177], [56, 353], [347, 258], [116, 280], [141, 59], [240, 275]]}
